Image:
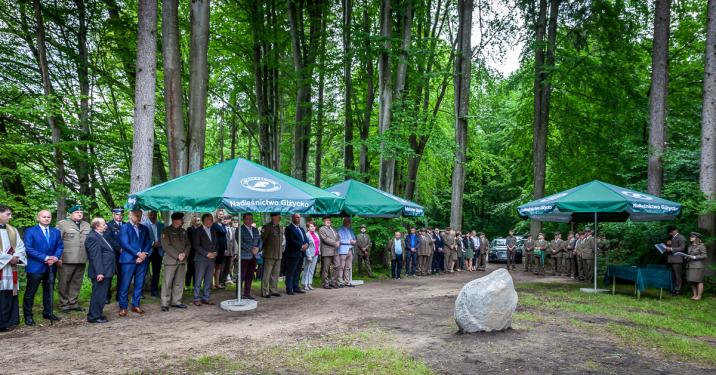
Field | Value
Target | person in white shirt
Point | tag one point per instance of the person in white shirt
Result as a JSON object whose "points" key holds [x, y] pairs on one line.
{"points": [[12, 255]]}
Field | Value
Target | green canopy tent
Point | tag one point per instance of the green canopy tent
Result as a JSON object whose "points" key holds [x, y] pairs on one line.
{"points": [[366, 201], [238, 186], [599, 201]]}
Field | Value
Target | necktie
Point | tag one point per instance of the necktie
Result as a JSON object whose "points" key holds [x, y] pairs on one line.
{"points": [[47, 235]]}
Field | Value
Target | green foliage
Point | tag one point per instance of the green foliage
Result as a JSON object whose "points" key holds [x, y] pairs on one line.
{"points": [[598, 125]]}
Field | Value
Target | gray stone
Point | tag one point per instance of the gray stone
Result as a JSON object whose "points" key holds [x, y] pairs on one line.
{"points": [[487, 303]]}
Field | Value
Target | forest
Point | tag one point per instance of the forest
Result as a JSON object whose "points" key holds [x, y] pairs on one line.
{"points": [[100, 98]]}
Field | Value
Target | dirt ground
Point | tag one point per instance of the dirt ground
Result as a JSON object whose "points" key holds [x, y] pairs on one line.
{"points": [[415, 315]]}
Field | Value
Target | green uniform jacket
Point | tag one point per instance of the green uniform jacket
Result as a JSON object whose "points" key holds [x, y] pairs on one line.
{"points": [[450, 246], [174, 242], [363, 242], [73, 239], [699, 251], [529, 246], [271, 237], [588, 248], [556, 248]]}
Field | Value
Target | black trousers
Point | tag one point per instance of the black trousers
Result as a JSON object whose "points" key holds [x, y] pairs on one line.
{"points": [[33, 283], [293, 270], [155, 262], [99, 293], [118, 275], [9, 310], [396, 265], [189, 269]]}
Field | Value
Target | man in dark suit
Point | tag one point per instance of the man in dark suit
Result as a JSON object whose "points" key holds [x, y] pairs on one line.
{"points": [[43, 245], [133, 262], [296, 245], [112, 236], [102, 265], [439, 256], [248, 248], [204, 241], [221, 231], [677, 243]]}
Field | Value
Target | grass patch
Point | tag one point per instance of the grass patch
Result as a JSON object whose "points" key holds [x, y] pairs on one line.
{"points": [[526, 316], [351, 360], [674, 326], [214, 364], [362, 352]]}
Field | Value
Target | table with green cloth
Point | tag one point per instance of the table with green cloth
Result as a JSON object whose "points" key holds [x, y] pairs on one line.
{"points": [[642, 276]]}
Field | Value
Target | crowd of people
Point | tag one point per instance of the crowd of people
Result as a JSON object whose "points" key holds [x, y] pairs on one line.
{"points": [[142, 253], [205, 255]]}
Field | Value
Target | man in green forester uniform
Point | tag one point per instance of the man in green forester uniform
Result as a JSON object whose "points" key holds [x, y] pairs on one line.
{"points": [[529, 256], [588, 255], [70, 274], [556, 252]]}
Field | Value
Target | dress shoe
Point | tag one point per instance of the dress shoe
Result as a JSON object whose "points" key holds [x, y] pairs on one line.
{"points": [[300, 291], [123, 312], [4, 329], [104, 317], [98, 320], [180, 306], [247, 297], [350, 285], [327, 287], [51, 317], [164, 308], [290, 293], [208, 302], [137, 310], [266, 296], [197, 303], [29, 321], [106, 302], [275, 295]]}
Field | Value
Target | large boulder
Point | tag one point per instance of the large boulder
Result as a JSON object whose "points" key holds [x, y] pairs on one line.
{"points": [[487, 303]]}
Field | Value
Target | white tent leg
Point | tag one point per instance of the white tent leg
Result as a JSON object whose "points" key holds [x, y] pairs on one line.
{"points": [[238, 304]]}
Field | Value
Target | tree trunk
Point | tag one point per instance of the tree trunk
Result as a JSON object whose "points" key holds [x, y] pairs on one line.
{"points": [[385, 83], [539, 140], [321, 110], [52, 120], [348, 90], [462, 105], [657, 97], [304, 53], [145, 86], [707, 174], [319, 127], [369, 98], [83, 170], [159, 171], [402, 70], [198, 82], [171, 58]]}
